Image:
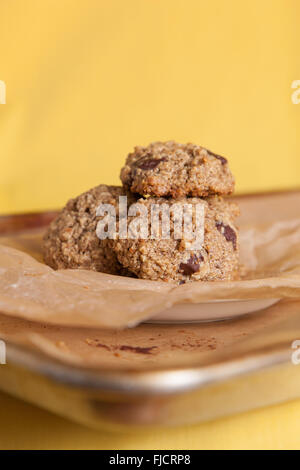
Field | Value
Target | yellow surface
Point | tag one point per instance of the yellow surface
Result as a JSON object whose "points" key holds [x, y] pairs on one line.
{"points": [[26, 427], [88, 79]]}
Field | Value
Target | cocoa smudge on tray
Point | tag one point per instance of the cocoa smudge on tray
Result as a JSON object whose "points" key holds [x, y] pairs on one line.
{"points": [[124, 347], [137, 349], [191, 344]]}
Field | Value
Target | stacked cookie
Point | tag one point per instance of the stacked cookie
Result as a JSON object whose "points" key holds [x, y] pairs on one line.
{"points": [[161, 174]]}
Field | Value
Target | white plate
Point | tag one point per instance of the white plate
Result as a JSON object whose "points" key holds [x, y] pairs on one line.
{"points": [[214, 310]]}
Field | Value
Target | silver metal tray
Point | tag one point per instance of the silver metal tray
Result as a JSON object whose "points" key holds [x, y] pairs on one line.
{"points": [[252, 371]]}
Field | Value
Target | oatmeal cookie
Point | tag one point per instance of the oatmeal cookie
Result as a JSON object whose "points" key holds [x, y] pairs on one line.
{"points": [[71, 240], [176, 170], [173, 259]]}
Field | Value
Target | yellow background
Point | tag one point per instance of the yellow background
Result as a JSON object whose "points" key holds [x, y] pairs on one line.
{"points": [[88, 79]]}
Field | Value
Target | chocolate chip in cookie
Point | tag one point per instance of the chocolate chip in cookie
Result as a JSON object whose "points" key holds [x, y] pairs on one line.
{"points": [[192, 265], [228, 233]]}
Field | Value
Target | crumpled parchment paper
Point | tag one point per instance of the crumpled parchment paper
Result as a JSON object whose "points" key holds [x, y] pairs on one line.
{"points": [[270, 254]]}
